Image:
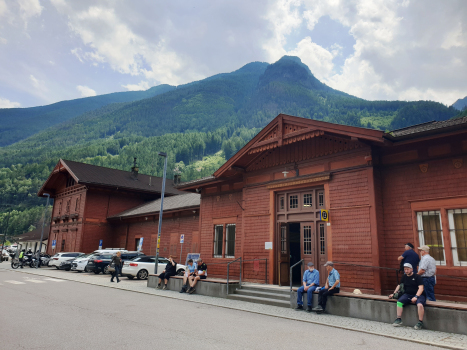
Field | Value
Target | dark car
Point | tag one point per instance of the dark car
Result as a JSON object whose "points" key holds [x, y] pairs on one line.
{"points": [[98, 263], [125, 257], [66, 265]]}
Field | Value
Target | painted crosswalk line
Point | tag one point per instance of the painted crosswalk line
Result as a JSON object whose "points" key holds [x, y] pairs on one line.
{"points": [[35, 281], [54, 280], [15, 282]]}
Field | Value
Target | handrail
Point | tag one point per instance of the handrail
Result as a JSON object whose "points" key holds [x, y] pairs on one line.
{"points": [[228, 267], [291, 267]]}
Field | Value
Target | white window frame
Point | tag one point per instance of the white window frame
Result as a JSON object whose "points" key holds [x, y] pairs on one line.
{"points": [[421, 231], [452, 234]]}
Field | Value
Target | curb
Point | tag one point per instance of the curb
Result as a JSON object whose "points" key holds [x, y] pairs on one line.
{"points": [[263, 313]]}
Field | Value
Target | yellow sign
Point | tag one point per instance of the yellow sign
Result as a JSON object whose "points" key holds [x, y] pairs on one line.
{"points": [[324, 215], [158, 243]]}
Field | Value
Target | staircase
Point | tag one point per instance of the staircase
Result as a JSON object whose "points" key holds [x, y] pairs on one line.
{"points": [[261, 294]]}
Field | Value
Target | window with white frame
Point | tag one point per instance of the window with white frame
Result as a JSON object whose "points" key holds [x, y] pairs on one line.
{"points": [[230, 241], [431, 234], [218, 240], [458, 234]]}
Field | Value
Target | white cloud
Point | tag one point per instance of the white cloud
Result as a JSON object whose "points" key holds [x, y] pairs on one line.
{"points": [[85, 91], [3, 8], [29, 9], [143, 85], [4, 103], [3, 40]]}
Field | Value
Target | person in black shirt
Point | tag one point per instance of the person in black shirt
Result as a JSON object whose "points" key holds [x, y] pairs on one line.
{"points": [[201, 273], [414, 293], [170, 270]]}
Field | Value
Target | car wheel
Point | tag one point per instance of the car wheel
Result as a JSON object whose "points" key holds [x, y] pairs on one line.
{"points": [[67, 269], [142, 275], [96, 272], [85, 269], [79, 271], [106, 270], [57, 267], [180, 272], [130, 277]]}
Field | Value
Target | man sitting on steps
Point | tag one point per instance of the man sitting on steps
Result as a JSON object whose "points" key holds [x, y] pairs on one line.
{"points": [[201, 274], [332, 286], [310, 282]]}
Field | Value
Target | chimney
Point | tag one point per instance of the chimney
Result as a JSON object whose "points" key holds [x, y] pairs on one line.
{"points": [[177, 178], [134, 170]]}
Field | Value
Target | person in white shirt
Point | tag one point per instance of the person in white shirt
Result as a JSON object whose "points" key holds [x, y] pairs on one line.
{"points": [[427, 269]]}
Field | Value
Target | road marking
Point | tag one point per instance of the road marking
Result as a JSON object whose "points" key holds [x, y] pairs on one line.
{"points": [[35, 281], [53, 280], [15, 282]]}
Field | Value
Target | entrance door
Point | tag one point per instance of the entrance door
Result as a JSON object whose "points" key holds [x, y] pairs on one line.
{"points": [[321, 251], [308, 243], [284, 255]]}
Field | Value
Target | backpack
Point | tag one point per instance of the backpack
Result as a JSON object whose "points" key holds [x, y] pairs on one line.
{"points": [[400, 292]]}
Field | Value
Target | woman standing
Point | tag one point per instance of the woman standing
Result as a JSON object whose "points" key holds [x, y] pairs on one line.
{"points": [[117, 261]]}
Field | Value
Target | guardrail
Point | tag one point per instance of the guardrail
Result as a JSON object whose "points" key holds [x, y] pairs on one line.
{"points": [[228, 267]]}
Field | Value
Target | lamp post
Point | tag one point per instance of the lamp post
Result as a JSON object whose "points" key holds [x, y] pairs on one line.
{"points": [[162, 154], [4, 235], [42, 232]]}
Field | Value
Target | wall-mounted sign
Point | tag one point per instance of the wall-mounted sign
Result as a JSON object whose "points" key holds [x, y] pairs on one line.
{"points": [[324, 215], [54, 244], [140, 245], [100, 244], [182, 239], [268, 245]]}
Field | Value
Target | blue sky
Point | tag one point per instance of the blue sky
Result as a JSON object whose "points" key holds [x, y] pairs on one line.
{"points": [[53, 50]]}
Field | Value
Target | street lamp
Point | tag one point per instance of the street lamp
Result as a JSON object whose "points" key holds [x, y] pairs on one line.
{"points": [[162, 154], [42, 232]]}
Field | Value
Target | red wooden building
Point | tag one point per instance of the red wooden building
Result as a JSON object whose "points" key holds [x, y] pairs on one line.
{"points": [[381, 191]]}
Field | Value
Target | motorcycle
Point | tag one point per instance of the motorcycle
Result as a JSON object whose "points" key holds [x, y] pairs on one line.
{"points": [[15, 263]]}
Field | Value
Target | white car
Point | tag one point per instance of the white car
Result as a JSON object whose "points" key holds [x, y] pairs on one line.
{"points": [[142, 266], [80, 263], [58, 258]]}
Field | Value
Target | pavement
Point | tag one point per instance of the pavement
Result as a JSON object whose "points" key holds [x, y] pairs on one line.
{"points": [[205, 322]]}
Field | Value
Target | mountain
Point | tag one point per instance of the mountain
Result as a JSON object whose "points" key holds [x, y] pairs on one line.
{"points": [[460, 104], [19, 123], [199, 125]]}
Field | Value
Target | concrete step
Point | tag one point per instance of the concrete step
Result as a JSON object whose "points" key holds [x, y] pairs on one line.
{"points": [[267, 290], [257, 300], [263, 294]]}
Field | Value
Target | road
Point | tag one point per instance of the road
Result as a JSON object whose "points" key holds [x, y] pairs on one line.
{"points": [[50, 313]]}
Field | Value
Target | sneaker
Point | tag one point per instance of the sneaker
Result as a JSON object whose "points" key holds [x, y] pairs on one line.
{"points": [[318, 308], [397, 322], [165, 287], [191, 290], [419, 325], [111, 280], [299, 308], [158, 286], [308, 309]]}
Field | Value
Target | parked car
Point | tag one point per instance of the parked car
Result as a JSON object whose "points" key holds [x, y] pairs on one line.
{"points": [[142, 266], [125, 257], [80, 264], [98, 263], [66, 265], [59, 257]]}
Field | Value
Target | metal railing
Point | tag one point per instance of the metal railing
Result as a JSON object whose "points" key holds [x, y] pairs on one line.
{"points": [[228, 268], [290, 275]]}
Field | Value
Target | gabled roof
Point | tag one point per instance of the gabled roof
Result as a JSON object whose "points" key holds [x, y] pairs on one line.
{"points": [[433, 127], [286, 129], [184, 201], [35, 235], [88, 174]]}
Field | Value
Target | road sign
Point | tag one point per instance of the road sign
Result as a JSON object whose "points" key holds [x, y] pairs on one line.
{"points": [[100, 244], [182, 238], [140, 245], [54, 244], [324, 215], [193, 256]]}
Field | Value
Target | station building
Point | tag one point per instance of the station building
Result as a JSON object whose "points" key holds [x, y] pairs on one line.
{"points": [[300, 189]]}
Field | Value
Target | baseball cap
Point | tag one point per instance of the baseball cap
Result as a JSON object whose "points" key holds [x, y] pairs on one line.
{"points": [[410, 245], [424, 248], [329, 263], [310, 264], [408, 265]]}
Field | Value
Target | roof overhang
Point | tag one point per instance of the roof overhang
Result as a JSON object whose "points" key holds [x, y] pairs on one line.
{"points": [[47, 186]]}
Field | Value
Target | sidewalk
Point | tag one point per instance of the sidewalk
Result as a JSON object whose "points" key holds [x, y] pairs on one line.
{"points": [[445, 340]]}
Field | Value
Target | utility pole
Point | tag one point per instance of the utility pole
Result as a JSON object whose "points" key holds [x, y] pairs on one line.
{"points": [[42, 232], [161, 212], [4, 236]]}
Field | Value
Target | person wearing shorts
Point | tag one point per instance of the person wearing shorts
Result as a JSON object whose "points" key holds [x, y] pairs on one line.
{"points": [[170, 270], [201, 273], [414, 293], [191, 271]]}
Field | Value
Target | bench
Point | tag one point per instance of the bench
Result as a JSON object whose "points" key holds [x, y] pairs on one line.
{"points": [[439, 316], [214, 287]]}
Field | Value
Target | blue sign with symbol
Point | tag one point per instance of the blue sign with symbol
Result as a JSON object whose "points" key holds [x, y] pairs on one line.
{"points": [[54, 244], [140, 245], [182, 238], [100, 244]]}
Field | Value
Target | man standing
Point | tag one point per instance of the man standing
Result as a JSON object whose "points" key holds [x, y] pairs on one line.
{"points": [[201, 273], [332, 286], [310, 282], [428, 272], [21, 258], [413, 294], [409, 257]]}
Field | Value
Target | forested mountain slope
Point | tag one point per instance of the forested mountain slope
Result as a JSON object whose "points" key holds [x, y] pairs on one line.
{"points": [[460, 104], [19, 123]]}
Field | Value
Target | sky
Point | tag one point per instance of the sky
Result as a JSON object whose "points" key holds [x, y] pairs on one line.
{"points": [[54, 50]]}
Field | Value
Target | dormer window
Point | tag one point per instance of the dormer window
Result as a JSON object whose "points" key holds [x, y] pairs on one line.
{"points": [[70, 182]]}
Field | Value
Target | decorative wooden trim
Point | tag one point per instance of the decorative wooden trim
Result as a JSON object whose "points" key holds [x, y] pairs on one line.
{"points": [[353, 207], [457, 163], [225, 220], [300, 182], [424, 167]]}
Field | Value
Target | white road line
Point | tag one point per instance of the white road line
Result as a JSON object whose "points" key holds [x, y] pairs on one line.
{"points": [[15, 282], [35, 281], [54, 280]]}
